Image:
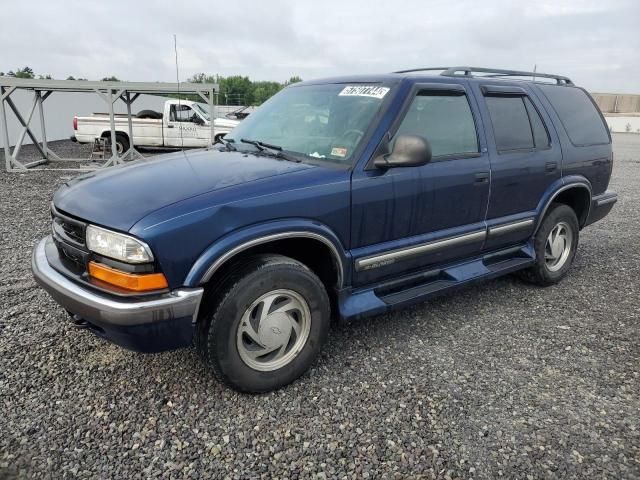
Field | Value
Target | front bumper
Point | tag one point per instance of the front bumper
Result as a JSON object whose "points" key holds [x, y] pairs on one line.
{"points": [[148, 324]]}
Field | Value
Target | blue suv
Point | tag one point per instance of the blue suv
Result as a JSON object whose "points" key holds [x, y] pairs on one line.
{"points": [[338, 198]]}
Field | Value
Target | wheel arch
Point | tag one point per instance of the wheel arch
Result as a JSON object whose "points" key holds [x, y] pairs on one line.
{"points": [[272, 239], [107, 134], [575, 194]]}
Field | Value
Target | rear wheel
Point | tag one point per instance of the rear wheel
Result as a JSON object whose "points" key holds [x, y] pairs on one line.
{"points": [[122, 143], [263, 325], [555, 244]]}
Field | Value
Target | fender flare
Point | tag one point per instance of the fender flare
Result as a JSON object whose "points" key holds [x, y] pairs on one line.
{"points": [[225, 248], [567, 184]]}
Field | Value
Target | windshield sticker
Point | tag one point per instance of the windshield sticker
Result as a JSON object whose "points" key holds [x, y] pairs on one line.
{"points": [[338, 152], [364, 91], [317, 155]]}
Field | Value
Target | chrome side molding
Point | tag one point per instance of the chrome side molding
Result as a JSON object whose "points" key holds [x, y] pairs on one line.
{"points": [[511, 227], [380, 260], [375, 261]]}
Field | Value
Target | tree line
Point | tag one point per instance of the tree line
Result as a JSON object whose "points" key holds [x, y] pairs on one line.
{"points": [[233, 90], [240, 90], [27, 72]]}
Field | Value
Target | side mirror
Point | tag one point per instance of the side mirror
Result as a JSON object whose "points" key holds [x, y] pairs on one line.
{"points": [[408, 151], [197, 120]]}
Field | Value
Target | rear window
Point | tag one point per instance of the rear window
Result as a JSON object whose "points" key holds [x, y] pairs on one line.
{"points": [[578, 115]]}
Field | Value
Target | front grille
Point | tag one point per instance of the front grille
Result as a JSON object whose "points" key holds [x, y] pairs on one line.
{"points": [[69, 237], [68, 229]]}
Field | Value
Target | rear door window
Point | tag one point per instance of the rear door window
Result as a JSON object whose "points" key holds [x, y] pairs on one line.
{"points": [[445, 120], [511, 126], [578, 114]]}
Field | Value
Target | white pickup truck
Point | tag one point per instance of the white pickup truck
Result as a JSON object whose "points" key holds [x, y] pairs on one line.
{"points": [[182, 124]]}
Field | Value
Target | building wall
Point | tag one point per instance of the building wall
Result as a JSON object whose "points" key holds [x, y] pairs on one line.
{"points": [[623, 123], [617, 103]]}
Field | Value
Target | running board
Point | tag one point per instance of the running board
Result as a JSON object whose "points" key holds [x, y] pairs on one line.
{"points": [[419, 286]]}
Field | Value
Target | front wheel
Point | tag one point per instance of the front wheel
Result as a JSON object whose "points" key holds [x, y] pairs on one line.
{"points": [[264, 324], [555, 244]]}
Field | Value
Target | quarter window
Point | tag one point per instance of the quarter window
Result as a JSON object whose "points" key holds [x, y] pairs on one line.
{"points": [[578, 114], [540, 135], [445, 120]]}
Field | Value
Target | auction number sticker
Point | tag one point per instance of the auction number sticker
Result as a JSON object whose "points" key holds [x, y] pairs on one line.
{"points": [[364, 91], [338, 152]]}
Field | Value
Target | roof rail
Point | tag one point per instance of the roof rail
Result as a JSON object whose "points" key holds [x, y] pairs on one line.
{"points": [[496, 72]]}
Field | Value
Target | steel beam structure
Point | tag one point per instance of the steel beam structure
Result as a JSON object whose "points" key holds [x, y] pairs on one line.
{"points": [[110, 92]]}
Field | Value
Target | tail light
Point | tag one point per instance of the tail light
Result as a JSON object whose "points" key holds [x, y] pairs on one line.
{"points": [[75, 123]]}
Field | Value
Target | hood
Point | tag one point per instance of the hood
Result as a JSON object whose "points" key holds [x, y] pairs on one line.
{"points": [[120, 196], [225, 122]]}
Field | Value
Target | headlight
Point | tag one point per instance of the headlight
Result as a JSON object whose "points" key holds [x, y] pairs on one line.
{"points": [[117, 245]]}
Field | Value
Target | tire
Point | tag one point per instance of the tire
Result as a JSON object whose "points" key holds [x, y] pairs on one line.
{"points": [[122, 143], [149, 114], [552, 265], [235, 337]]}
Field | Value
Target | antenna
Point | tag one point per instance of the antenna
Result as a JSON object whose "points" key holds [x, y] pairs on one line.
{"points": [[175, 49], [535, 67]]}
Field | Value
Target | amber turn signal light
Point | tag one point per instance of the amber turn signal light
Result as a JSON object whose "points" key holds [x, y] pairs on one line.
{"points": [[133, 282]]}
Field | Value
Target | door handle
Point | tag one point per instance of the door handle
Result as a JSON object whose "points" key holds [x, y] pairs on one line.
{"points": [[170, 126], [551, 166], [482, 177]]}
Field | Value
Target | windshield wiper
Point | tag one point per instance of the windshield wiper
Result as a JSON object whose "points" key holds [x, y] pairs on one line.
{"points": [[228, 143], [273, 150]]}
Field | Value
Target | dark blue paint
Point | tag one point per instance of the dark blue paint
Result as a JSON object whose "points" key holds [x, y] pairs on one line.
{"points": [[511, 171], [121, 196], [406, 206], [193, 207], [147, 337]]}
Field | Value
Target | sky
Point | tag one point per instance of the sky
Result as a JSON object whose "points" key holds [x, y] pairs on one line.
{"points": [[595, 43]]}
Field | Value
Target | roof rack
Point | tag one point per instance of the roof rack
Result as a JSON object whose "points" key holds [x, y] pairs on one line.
{"points": [[496, 72]]}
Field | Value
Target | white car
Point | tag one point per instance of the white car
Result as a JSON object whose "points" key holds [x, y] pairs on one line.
{"points": [[182, 124]]}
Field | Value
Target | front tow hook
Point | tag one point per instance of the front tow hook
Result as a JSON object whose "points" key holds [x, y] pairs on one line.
{"points": [[77, 321]]}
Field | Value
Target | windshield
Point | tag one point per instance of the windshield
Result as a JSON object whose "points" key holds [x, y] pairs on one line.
{"points": [[202, 111], [319, 121]]}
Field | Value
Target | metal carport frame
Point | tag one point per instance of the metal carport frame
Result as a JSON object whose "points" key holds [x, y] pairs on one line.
{"points": [[110, 92]]}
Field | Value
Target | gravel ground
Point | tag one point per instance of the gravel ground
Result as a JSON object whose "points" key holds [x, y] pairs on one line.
{"points": [[503, 379]]}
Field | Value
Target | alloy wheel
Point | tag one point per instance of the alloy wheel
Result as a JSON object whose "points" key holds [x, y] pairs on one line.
{"points": [[558, 246], [273, 330]]}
